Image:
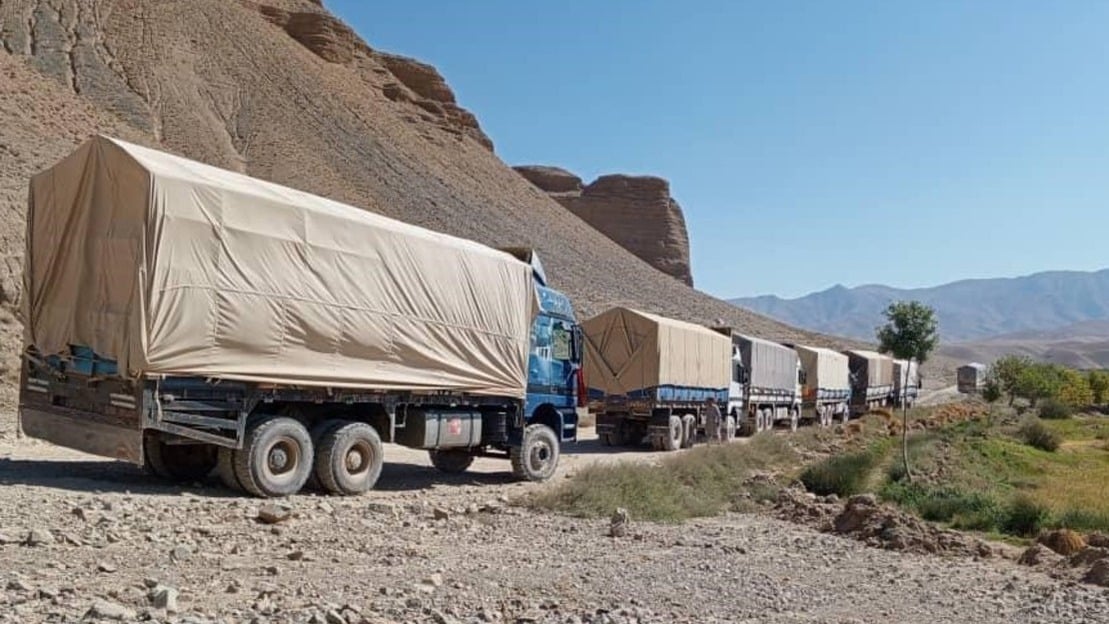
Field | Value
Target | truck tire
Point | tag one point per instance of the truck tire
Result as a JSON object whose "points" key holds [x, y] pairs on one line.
{"points": [[317, 432], [276, 457], [689, 430], [451, 461], [673, 440], [178, 462], [225, 470], [536, 459], [349, 459], [729, 428]]}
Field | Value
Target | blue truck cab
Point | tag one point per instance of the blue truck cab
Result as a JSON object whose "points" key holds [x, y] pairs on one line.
{"points": [[555, 383]]}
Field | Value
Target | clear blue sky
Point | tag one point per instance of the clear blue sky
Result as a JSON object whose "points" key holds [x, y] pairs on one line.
{"points": [[810, 143]]}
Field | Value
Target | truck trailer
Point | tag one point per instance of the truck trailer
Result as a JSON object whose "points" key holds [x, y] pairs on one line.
{"points": [[971, 378], [765, 388], [871, 380], [650, 376], [905, 389], [191, 319], [825, 385]]}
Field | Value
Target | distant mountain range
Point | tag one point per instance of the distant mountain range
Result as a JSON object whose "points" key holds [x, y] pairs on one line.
{"points": [[1081, 345], [967, 310]]}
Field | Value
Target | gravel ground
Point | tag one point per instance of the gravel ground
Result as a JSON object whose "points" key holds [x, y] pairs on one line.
{"points": [[85, 538]]}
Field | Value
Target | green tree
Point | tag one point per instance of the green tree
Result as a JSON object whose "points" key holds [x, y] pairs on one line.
{"points": [[1007, 371], [910, 333], [1038, 381], [1099, 386], [1075, 389]]}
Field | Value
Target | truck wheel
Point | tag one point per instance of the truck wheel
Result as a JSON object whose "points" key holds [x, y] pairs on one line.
{"points": [[451, 461], [689, 430], [178, 462], [225, 469], [276, 457], [729, 429], [537, 456], [350, 458], [672, 441], [846, 415], [317, 432]]}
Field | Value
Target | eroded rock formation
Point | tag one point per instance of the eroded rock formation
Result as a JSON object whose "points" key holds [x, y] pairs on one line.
{"points": [[635, 211]]}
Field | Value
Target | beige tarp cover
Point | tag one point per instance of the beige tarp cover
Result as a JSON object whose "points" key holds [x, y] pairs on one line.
{"points": [[175, 267], [879, 368], [824, 369], [628, 350]]}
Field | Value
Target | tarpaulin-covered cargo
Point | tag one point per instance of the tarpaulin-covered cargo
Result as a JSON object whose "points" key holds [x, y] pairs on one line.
{"points": [[824, 369], [769, 365], [899, 367], [870, 369], [173, 267], [627, 350]]}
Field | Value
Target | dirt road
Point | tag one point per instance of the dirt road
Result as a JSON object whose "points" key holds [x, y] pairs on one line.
{"points": [[82, 537]]}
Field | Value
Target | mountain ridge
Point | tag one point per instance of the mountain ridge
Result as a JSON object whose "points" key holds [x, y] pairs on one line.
{"points": [[967, 309]]}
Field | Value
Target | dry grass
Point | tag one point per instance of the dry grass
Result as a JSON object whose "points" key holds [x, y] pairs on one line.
{"points": [[701, 482]]}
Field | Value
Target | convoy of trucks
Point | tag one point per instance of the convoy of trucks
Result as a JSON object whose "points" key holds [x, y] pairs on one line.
{"points": [[194, 320]]}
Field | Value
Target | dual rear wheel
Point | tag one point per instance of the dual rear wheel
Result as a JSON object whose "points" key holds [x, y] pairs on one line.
{"points": [[280, 456]]}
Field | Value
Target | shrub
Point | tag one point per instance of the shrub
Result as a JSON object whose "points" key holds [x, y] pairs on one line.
{"points": [[1036, 434], [1082, 520], [1052, 409], [1099, 386], [702, 482], [969, 510], [843, 475], [1024, 517]]}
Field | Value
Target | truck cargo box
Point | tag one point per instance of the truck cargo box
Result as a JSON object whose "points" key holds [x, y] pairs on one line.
{"points": [[899, 367], [629, 351], [172, 267], [971, 377], [824, 369], [870, 369], [769, 365]]}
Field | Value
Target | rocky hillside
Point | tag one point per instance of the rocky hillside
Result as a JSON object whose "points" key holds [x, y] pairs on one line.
{"points": [[283, 91], [967, 309], [635, 211]]}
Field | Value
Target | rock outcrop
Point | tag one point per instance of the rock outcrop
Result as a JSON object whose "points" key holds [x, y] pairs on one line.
{"points": [[635, 211]]}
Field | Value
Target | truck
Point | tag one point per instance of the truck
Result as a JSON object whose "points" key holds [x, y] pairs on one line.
{"points": [[650, 376], [765, 387], [905, 389], [970, 378], [871, 380], [194, 320], [825, 385]]}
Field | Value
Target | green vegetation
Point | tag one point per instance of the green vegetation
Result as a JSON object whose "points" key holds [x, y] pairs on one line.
{"points": [[844, 474], [702, 482], [1054, 409], [1021, 378], [1002, 476], [1035, 433]]}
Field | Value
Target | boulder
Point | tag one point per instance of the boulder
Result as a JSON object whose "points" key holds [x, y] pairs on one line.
{"points": [[1039, 555]]}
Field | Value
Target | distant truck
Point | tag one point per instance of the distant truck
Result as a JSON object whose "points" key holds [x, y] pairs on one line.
{"points": [[649, 377], [190, 319], [905, 392], [765, 388], [971, 378], [825, 385], [871, 380]]}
